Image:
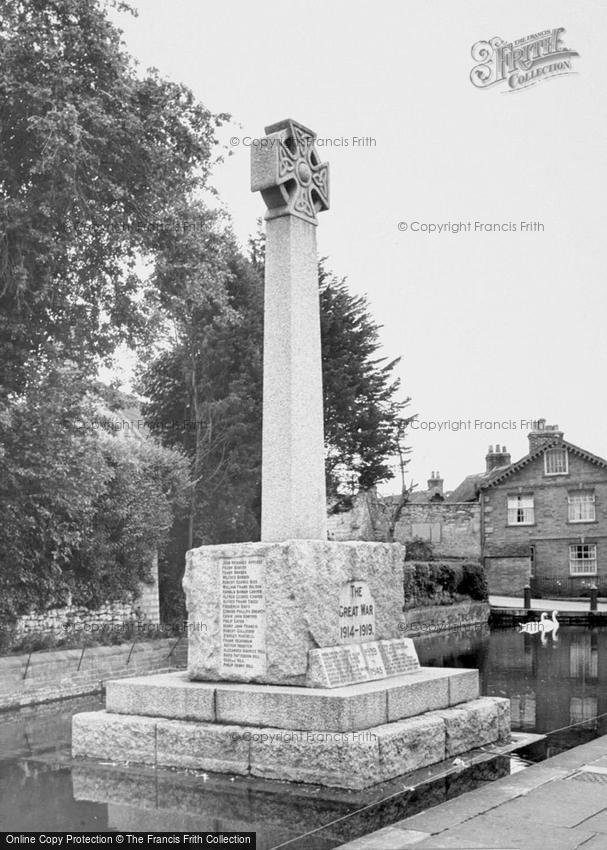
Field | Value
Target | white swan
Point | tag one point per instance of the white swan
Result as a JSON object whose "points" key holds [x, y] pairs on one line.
{"points": [[549, 625], [543, 626], [532, 628]]}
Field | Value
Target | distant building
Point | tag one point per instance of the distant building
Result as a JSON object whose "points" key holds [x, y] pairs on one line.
{"points": [[434, 493], [453, 529], [543, 518]]}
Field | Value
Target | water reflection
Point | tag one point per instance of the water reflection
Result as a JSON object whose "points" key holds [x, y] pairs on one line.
{"points": [[550, 686]]}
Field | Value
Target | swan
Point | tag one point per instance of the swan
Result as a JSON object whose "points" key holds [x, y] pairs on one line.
{"points": [[549, 625], [531, 628], [544, 625]]}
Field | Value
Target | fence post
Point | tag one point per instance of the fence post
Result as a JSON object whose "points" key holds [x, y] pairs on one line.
{"points": [[527, 597], [27, 666], [594, 595]]}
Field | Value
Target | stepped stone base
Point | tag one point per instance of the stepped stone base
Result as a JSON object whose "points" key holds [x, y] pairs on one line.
{"points": [[350, 737]]}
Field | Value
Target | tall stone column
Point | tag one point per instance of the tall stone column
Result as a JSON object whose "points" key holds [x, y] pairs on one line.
{"points": [[285, 168]]}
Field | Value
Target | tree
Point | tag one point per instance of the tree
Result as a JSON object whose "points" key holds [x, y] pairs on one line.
{"points": [[94, 158], [204, 386], [50, 471], [97, 163], [210, 378], [364, 425], [83, 508]]}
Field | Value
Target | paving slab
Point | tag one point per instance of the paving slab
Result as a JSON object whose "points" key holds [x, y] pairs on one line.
{"points": [[543, 806], [596, 843], [458, 810], [388, 838], [564, 802], [492, 831], [597, 823]]}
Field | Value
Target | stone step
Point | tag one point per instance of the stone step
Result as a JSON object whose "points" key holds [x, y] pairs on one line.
{"points": [[346, 709], [356, 759]]}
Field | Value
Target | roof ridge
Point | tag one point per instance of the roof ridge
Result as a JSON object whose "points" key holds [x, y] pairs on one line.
{"points": [[519, 464]]}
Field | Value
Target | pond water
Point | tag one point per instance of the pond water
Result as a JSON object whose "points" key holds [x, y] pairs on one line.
{"points": [[554, 687]]}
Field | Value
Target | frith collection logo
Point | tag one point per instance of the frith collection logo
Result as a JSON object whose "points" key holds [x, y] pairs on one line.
{"points": [[522, 63]]}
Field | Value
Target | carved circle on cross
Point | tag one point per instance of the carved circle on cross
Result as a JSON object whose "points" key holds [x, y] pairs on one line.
{"points": [[287, 170]]}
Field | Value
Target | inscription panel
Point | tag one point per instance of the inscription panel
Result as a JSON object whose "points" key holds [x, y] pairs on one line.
{"points": [[335, 666], [374, 660], [243, 616], [399, 656], [356, 613]]}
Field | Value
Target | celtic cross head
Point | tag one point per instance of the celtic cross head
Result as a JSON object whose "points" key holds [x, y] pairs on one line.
{"points": [[286, 169]]}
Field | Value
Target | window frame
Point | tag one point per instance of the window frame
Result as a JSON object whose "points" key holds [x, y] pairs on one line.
{"points": [[563, 451], [572, 560], [571, 496], [518, 508]]}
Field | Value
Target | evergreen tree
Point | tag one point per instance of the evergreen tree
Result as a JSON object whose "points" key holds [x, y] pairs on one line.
{"points": [[209, 380], [364, 422]]}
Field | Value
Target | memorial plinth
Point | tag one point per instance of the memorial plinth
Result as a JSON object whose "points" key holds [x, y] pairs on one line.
{"points": [[256, 610]]}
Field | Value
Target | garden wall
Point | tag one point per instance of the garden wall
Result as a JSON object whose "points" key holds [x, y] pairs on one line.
{"points": [[41, 676], [65, 622], [431, 619], [453, 528]]}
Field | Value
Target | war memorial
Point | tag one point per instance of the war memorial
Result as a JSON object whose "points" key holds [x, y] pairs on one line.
{"points": [[301, 672]]}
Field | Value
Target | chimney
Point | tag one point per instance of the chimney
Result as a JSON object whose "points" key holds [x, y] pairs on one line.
{"points": [[542, 434], [436, 483], [499, 457]]}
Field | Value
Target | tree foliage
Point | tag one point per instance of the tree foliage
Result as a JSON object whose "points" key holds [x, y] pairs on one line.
{"points": [[97, 162], [364, 422], [205, 392], [93, 157], [205, 388], [83, 510]]}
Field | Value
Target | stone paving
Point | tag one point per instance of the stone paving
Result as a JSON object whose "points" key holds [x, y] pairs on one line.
{"points": [[560, 803]]}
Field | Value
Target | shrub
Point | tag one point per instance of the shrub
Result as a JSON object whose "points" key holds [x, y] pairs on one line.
{"points": [[82, 511], [474, 583], [419, 549], [443, 583]]}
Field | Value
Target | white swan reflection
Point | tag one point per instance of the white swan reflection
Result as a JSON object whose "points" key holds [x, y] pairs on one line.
{"points": [[543, 627]]}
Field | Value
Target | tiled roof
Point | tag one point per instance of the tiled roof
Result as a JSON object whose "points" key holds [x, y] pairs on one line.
{"points": [[506, 472], [467, 491]]}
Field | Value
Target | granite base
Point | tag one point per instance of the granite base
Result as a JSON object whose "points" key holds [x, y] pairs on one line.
{"points": [[352, 737]]}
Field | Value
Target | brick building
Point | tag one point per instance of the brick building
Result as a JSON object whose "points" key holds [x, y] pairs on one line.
{"points": [[543, 518]]}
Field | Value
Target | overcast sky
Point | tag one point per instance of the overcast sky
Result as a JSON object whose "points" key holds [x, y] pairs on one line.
{"points": [[492, 327]]}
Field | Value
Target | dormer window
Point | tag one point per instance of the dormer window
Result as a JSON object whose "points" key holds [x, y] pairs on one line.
{"points": [[556, 461]]}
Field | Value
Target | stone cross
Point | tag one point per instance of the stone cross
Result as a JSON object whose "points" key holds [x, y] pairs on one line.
{"points": [[286, 169]]}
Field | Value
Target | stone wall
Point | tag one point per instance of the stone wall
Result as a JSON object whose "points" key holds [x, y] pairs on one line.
{"points": [[42, 676], [453, 528], [507, 576], [71, 619], [441, 618], [147, 604]]}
